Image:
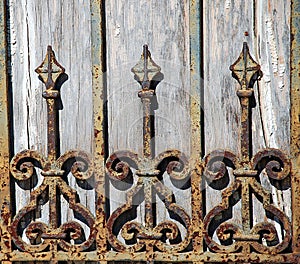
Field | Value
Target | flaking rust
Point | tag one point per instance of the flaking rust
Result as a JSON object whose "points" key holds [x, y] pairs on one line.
{"points": [[130, 238]]}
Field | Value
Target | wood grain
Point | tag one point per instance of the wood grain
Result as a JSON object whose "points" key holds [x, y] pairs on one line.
{"points": [[267, 24], [164, 26], [66, 26]]}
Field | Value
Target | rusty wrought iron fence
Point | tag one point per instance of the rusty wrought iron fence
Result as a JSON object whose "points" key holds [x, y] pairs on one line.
{"points": [[103, 236], [119, 233]]}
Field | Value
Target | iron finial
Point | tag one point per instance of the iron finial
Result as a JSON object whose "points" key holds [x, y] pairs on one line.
{"points": [[50, 69], [146, 71], [245, 70]]}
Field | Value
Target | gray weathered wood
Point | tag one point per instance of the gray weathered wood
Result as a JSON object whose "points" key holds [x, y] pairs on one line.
{"points": [[273, 48], [267, 23], [163, 25]]}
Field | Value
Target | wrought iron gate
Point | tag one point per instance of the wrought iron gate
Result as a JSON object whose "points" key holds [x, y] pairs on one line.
{"points": [[202, 237]]}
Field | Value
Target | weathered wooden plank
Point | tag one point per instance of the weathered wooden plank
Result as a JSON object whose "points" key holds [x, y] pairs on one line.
{"points": [[272, 42], [272, 38], [164, 26], [65, 25], [223, 27], [267, 24]]}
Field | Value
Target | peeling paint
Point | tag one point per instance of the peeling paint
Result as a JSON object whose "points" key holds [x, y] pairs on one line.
{"points": [[227, 4], [117, 30], [272, 44]]}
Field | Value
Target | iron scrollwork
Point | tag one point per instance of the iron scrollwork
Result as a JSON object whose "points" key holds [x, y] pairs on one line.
{"points": [[164, 236], [141, 179], [54, 235], [246, 171]]}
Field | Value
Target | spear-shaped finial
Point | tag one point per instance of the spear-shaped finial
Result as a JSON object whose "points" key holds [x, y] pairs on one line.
{"points": [[246, 71], [146, 71], [148, 74], [49, 71]]}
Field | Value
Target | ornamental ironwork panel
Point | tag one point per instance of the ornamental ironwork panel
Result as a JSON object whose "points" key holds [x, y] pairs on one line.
{"points": [[52, 236], [199, 236], [132, 232], [246, 171], [150, 236]]}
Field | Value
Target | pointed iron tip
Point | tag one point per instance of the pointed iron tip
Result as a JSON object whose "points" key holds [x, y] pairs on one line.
{"points": [[50, 69], [145, 51]]}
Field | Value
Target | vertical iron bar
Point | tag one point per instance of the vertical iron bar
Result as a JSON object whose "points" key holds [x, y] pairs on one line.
{"points": [[99, 101], [51, 111], [145, 72], [246, 71], [52, 203], [5, 199], [49, 71], [295, 121], [245, 129], [245, 200], [197, 138], [146, 95], [148, 74], [52, 130], [147, 127], [245, 118]]}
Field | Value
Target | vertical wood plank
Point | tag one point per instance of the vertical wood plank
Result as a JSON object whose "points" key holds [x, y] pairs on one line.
{"points": [[271, 126], [272, 38], [224, 25], [164, 26], [66, 25]]}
